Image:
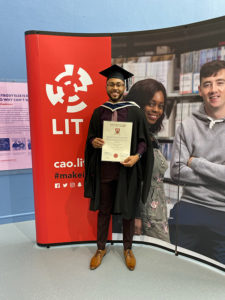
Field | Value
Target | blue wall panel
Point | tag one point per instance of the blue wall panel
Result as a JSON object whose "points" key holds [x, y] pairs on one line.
{"points": [[16, 196], [87, 16]]}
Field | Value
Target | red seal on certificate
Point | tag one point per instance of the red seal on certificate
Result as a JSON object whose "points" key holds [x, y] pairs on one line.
{"points": [[115, 155], [117, 130]]}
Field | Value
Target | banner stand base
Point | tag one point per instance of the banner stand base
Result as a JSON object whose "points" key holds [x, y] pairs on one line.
{"points": [[112, 242]]}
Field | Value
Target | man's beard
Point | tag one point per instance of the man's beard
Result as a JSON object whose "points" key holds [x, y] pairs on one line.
{"points": [[119, 98]]}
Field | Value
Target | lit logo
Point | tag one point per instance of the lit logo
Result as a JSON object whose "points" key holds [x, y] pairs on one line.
{"points": [[67, 88]]}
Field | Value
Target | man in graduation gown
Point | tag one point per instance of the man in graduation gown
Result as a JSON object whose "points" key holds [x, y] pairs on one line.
{"points": [[117, 187]]}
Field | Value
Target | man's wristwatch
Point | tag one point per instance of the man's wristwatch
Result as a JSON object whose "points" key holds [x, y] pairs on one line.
{"points": [[139, 155]]}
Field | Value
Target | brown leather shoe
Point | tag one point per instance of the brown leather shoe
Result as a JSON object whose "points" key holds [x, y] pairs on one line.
{"points": [[130, 259], [97, 259]]}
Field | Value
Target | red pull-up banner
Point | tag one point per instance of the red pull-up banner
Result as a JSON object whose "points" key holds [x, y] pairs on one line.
{"points": [[64, 87]]}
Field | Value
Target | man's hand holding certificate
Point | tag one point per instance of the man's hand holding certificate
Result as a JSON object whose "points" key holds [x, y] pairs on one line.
{"points": [[117, 141]]}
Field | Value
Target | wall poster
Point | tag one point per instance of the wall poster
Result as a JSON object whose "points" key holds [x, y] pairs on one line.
{"points": [[15, 144]]}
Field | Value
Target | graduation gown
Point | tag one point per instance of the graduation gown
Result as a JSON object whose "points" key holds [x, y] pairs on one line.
{"points": [[133, 183]]}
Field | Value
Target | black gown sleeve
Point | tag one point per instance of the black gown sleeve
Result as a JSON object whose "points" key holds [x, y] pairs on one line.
{"points": [[91, 156]]}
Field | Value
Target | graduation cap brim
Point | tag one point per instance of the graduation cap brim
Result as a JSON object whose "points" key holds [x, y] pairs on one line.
{"points": [[116, 71]]}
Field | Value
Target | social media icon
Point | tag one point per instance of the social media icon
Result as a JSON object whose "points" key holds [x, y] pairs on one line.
{"points": [[65, 185], [57, 185]]}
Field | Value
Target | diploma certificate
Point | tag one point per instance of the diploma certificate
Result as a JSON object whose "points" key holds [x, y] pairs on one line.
{"points": [[117, 138]]}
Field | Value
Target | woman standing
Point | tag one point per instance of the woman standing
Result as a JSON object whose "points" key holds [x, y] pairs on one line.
{"points": [[151, 96]]}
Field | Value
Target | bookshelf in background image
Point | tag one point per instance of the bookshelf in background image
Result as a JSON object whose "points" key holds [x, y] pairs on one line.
{"points": [[190, 64]]}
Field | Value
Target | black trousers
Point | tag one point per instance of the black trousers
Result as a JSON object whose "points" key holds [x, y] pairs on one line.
{"points": [[108, 191], [200, 229]]}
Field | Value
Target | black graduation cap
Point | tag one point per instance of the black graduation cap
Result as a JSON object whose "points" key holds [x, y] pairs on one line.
{"points": [[116, 71]]}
